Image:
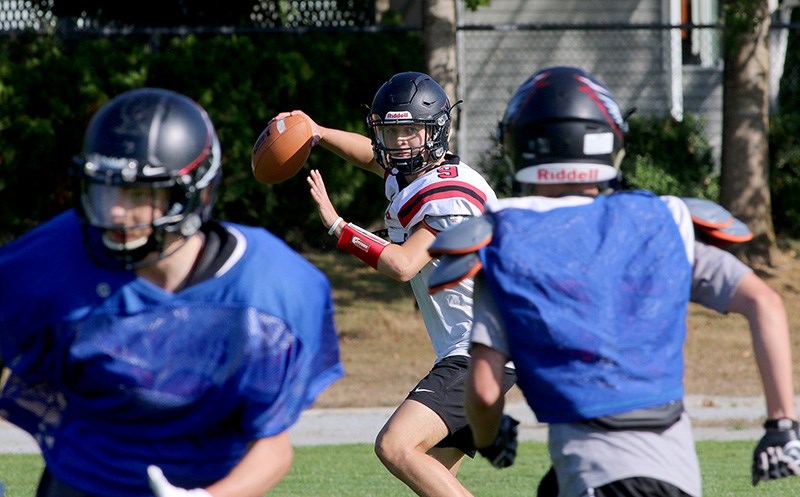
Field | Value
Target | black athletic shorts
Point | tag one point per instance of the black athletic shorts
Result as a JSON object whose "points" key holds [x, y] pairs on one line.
{"points": [[442, 391], [627, 487], [639, 487]]}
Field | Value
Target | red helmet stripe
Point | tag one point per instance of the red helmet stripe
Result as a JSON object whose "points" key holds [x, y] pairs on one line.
{"points": [[200, 158], [600, 105]]}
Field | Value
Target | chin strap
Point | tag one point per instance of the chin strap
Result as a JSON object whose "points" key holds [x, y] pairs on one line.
{"points": [[362, 244]]}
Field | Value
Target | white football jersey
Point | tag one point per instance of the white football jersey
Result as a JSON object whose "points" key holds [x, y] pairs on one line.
{"points": [[443, 196]]}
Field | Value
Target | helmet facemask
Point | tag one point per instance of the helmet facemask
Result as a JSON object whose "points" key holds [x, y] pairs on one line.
{"points": [[126, 221], [409, 146]]}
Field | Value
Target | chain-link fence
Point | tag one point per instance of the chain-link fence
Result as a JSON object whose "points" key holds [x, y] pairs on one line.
{"points": [[495, 61], [86, 16], [21, 15], [658, 69]]}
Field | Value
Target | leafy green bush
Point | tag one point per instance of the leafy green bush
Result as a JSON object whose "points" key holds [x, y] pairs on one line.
{"points": [[497, 170], [670, 157], [241, 80]]}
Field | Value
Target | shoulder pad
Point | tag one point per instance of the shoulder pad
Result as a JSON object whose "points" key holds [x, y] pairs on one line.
{"points": [[736, 232], [707, 214], [453, 269], [438, 224], [715, 225], [464, 237]]}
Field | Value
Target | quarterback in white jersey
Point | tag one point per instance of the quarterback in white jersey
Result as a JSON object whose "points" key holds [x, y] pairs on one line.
{"points": [[439, 198], [429, 190]]}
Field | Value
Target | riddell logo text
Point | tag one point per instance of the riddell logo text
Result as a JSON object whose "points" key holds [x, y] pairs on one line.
{"points": [[398, 115], [358, 242], [567, 175]]}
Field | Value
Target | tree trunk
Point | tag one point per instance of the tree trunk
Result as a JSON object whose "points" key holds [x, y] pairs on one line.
{"points": [[381, 6], [439, 32], [744, 185]]}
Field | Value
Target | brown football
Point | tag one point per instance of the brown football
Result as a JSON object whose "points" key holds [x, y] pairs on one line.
{"points": [[281, 149]]}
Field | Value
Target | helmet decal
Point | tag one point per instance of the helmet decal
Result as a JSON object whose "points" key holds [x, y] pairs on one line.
{"points": [[598, 143], [402, 114], [557, 173], [605, 102], [523, 93]]}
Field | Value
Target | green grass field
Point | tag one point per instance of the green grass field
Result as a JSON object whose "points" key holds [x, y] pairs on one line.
{"points": [[354, 471]]}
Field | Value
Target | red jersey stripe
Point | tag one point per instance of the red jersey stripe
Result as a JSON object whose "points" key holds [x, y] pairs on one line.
{"points": [[441, 190]]}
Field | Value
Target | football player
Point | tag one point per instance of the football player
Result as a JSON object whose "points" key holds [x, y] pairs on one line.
{"points": [[153, 350], [429, 190], [587, 293]]}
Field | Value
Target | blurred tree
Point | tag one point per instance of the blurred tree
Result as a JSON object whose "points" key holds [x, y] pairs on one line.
{"points": [[439, 35], [744, 181]]}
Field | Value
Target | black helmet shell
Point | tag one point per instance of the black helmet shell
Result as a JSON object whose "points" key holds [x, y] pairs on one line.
{"points": [[149, 135], [563, 126]]}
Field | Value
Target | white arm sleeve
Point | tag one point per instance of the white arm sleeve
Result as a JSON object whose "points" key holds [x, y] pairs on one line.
{"points": [[683, 219]]}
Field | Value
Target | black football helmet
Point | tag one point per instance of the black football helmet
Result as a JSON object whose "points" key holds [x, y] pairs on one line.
{"points": [[563, 126], [409, 99], [160, 145]]}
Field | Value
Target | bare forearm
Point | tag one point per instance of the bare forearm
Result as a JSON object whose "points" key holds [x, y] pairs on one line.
{"points": [[765, 312], [260, 470], [484, 420], [484, 400], [774, 360], [403, 262], [352, 147]]}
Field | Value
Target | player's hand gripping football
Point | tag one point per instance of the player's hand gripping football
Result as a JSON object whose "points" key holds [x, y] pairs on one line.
{"points": [[778, 452], [162, 488], [315, 129], [326, 210], [503, 452]]}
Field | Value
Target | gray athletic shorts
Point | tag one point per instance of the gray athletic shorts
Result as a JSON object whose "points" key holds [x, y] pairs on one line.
{"points": [[442, 391]]}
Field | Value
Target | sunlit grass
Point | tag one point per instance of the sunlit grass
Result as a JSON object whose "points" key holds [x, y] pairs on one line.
{"points": [[353, 470]]}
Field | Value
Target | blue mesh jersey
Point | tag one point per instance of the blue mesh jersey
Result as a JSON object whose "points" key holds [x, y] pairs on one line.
{"points": [[593, 298], [111, 373]]}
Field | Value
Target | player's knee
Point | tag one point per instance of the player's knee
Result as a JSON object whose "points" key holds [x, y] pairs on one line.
{"points": [[390, 449], [383, 446]]}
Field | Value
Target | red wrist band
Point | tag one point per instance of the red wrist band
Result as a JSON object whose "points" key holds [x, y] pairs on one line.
{"points": [[362, 244]]}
